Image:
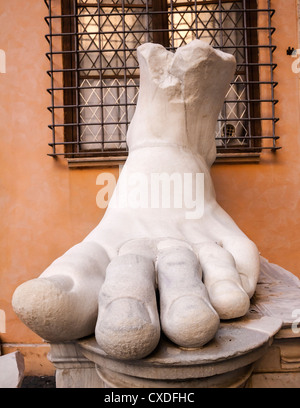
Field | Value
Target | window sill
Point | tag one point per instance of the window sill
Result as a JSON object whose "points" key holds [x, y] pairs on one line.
{"points": [[232, 158], [113, 161], [108, 161]]}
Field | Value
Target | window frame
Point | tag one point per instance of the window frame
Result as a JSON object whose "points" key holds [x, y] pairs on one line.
{"points": [[70, 87]]}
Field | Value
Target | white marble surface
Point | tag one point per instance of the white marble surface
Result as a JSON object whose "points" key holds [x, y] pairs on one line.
{"points": [[203, 266]]}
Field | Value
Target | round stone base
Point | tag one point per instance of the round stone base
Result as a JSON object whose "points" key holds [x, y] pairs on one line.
{"points": [[225, 362], [234, 379]]}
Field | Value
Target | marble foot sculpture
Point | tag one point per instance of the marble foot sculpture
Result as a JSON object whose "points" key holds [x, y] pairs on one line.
{"points": [[153, 265]]}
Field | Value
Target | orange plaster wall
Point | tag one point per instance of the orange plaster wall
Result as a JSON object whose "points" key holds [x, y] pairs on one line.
{"points": [[46, 207]]}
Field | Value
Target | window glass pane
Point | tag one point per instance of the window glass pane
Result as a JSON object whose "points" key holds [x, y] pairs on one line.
{"points": [[114, 32]]}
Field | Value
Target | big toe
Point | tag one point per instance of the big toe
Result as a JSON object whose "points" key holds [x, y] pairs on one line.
{"points": [[48, 308]]}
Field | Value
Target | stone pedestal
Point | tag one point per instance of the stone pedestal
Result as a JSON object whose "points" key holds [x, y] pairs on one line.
{"points": [[227, 361], [259, 350], [73, 370], [278, 294]]}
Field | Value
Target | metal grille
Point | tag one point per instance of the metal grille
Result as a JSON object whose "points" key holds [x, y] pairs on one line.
{"points": [[95, 75]]}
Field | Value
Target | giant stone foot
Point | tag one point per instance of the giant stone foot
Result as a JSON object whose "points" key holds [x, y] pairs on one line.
{"points": [[184, 253]]}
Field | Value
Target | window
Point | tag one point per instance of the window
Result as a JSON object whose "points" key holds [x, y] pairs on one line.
{"points": [[95, 75]]}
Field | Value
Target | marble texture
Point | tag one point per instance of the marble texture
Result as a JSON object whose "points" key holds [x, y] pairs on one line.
{"points": [[190, 251], [260, 350]]}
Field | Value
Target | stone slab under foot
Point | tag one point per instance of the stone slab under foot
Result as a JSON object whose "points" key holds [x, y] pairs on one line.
{"points": [[225, 360]]}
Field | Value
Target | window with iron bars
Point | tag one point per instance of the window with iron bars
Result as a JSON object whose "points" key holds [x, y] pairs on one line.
{"points": [[95, 75]]}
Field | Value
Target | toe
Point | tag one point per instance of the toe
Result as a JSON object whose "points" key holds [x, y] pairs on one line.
{"points": [[247, 260], [190, 321], [229, 299], [187, 318], [50, 310], [128, 324], [223, 281], [126, 330]]}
